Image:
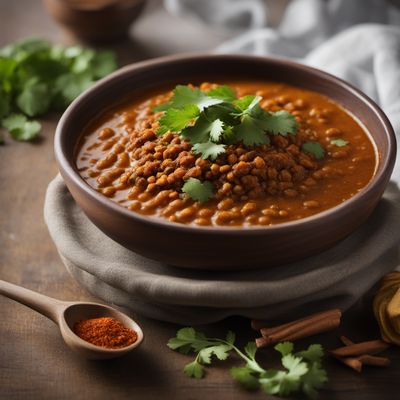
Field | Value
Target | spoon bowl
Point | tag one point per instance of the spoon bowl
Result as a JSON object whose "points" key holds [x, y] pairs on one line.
{"points": [[67, 314], [76, 312]]}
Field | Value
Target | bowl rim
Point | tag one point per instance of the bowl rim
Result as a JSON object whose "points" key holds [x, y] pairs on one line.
{"points": [[378, 178]]}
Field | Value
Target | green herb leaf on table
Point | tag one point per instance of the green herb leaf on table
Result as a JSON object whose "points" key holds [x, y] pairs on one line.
{"points": [[194, 370], [339, 142], [20, 128], [197, 190], [37, 77], [314, 148], [302, 371], [35, 98], [244, 375]]}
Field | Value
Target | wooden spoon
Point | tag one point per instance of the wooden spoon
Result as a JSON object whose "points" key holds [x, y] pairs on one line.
{"points": [[66, 314]]}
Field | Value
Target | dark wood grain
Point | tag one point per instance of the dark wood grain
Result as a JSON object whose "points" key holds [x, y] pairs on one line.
{"points": [[34, 362]]}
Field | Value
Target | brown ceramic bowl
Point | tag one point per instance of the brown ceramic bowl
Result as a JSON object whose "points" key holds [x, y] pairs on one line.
{"points": [[95, 20], [221, 247]]}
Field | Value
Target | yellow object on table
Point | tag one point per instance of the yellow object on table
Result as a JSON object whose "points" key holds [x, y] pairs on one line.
{"points": [[387, 308]]}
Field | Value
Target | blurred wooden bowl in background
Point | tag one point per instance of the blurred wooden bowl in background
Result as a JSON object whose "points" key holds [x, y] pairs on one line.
{"points": [[95, 20]]}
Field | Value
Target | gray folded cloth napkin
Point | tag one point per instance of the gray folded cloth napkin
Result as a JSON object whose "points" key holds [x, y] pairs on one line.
{"points": [[317, 32], [335, 278]]}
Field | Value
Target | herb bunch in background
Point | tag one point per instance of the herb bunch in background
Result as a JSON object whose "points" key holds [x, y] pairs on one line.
{"points": [[302, 371], [37, 77]]}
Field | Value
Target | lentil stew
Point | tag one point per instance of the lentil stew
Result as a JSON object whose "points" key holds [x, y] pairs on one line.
{"points": [[122, 157]]}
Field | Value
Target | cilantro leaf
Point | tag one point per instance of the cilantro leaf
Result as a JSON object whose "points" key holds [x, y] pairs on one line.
{"points": [[35, 98], [69, 86], [103, 64], [216, 130], [199, 132], [246, 103], [314, 148], [20, 128], [208, 150], [5, 103], [36, 76], [194, 370], [314, 379], [284, 348], [314, 353], [224, 92], [249, 132], [177, 119], [296, 366], [188, 336], [339, 142], [221, 351], [245, 377], [280, 383], [279, 122], [197, 190], [230, 337], [251, 350], [184, 95], [303, 371]]}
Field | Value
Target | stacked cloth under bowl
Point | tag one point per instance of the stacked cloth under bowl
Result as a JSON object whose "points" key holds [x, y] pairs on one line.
{"points": [[336, 278]]}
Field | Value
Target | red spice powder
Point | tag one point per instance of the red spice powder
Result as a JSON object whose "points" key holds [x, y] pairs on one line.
{"points": [[105, 332]]}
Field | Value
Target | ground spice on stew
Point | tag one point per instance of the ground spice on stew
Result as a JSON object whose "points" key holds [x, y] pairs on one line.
{"points": [[105, 332]]}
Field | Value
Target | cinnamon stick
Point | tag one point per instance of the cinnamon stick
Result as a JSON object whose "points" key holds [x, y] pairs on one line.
{"points": [[293, 332], [353, 363], [260, 324], [359, 349], [283, 331], [346, 341], [374, 360], [357, 363]]}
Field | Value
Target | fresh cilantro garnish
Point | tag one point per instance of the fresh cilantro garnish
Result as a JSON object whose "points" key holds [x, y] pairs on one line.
{"points": [[178, 119], [209, 149], [314, 148], [197, 190], [302, 371], [250, 132], [37, 77], [339, 142], [223, 92], [246, 104], [20, 128], [184, 95], [221, 119]]}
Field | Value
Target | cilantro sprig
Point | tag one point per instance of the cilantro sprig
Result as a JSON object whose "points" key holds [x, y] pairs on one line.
{"points": [[37, 77], [211, 120], [339, 142], [197, 190], [302, 371]]}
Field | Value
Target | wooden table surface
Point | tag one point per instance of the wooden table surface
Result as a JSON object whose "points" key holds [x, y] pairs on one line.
{"points": [[34, 362]]}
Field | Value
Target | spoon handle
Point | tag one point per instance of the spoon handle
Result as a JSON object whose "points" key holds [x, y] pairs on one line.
{"points": [[49, 307]]}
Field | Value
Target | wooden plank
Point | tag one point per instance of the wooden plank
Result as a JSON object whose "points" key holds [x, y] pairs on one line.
{"points": [[34, 362]]}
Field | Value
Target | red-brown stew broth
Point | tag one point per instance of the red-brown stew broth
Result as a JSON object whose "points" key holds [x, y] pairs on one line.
{"points": [[121, 157]]}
